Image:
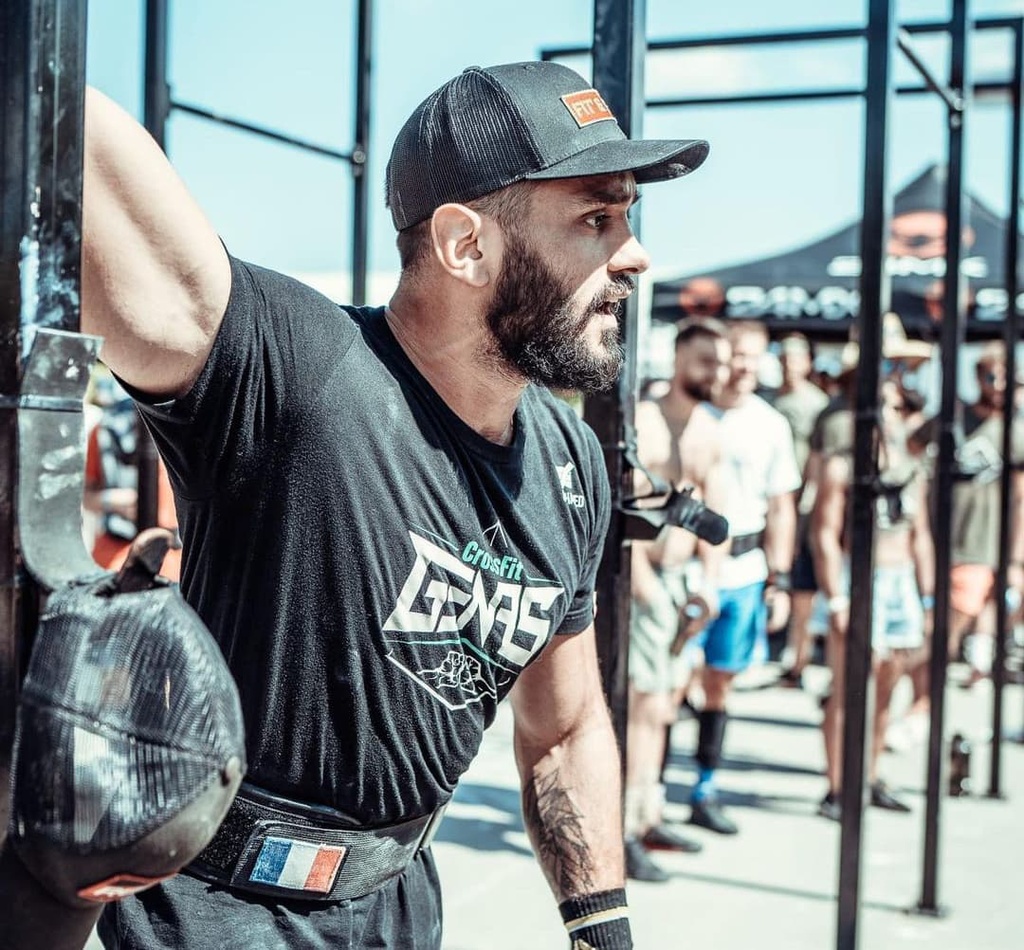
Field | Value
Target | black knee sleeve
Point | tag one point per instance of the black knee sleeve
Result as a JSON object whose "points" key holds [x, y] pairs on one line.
{"points": [[711, 737]]}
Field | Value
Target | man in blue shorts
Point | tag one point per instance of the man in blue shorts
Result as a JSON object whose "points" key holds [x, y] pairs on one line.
{"points": [[762, 476]]}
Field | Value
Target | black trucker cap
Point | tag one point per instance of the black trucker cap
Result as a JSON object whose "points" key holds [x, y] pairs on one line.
{"points": [[488, 128]]}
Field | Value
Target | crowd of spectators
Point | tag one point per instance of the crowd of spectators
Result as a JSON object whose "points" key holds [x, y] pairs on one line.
{"points": [[782, 473], [762, 431]]}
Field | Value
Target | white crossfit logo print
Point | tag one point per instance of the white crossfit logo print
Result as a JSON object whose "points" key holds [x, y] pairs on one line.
{"points": [[566, 480]]}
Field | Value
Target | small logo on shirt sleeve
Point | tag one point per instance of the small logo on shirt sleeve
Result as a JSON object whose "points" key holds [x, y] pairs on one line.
{"points": [[570, 485]]}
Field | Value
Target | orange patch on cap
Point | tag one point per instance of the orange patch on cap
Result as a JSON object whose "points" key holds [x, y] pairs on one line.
{"points": [[587, 107], [118, 886]]}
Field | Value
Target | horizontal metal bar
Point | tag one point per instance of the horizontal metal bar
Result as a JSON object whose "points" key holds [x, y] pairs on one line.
{"points": [[953, 101], [980, 89], [792, 36], [733, 39], [261, 131], [987, 23], [759, 97], [30, 401]]}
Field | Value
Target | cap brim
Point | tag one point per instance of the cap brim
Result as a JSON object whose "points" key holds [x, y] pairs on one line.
{"points": [[649, 160]]}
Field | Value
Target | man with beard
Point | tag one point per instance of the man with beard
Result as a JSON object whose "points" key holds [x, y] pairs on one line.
{"points": [[761, 478], [676, 441], [389, 523]]}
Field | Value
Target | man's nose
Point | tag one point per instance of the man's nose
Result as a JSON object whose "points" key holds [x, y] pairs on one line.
{"points": [[630, 258]]}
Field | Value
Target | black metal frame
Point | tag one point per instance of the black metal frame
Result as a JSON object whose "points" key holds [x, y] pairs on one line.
{"points": [[951, 339], [619, 38], [41, 31], [1011, 334], [798, 36], [879, 89], [874, 287], [158, 105], [42, 73], [161, 104]]}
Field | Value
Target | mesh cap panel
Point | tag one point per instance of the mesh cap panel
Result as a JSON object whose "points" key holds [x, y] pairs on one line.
{"points": [[488, 128], [128, 712]]}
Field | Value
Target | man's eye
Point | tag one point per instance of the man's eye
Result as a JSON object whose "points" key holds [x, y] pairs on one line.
{"points": [[597, 220]]}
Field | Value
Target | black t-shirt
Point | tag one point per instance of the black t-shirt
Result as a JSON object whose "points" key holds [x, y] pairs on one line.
{"points": [[376, 573]]}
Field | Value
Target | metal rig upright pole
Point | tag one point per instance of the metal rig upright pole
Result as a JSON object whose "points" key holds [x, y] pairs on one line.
{"points": [[874, 287], [360, 151], [950, 340], [156, 107], [42, 75], [1011, 332], [619, 46]]}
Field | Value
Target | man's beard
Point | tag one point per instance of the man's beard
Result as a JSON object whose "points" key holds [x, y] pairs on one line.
{"points": [[992, 400], [702, 392], [536, 333]]}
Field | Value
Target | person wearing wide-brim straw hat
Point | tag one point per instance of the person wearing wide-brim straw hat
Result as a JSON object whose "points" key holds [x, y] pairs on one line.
{"points": [[896, 346], [903, 577]]}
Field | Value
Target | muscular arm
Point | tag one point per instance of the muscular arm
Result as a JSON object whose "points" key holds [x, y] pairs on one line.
{"points": [[716, 497], [643, 581], [923, 547], [827, 521], [780, 532], [1017, 518], [155, 277], [569, 768], [811, 476]]}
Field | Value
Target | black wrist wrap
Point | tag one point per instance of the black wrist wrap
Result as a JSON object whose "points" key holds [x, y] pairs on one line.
{"points": [[599, 921]]}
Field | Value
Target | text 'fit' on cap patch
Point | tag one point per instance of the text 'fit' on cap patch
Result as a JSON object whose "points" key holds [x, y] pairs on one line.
{"points": [[587, 107]]}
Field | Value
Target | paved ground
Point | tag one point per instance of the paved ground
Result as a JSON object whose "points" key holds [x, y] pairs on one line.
{"points": [[772, 886]]}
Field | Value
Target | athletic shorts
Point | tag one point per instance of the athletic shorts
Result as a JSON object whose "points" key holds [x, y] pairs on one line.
{"points": [[804, 579], [738, 634], [186, 913], [971, 587], [652, 628], [897, 618]]}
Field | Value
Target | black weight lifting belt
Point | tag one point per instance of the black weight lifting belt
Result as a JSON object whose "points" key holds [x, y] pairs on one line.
{"points": [[274, 846], [745, 543]]}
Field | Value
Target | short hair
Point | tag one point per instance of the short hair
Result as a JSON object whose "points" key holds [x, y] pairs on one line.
{"points": [[739, 327], [993, 353], [506, 205], [693, 328]]}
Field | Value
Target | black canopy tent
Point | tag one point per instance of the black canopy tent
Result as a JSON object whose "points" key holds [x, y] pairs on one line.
{"points": [[815, 288]]}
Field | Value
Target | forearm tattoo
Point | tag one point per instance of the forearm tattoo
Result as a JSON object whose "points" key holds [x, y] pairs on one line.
{"points": [[556, 827]]}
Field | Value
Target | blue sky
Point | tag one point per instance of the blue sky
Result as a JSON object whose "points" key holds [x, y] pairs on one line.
{"points": [[778, 175]]}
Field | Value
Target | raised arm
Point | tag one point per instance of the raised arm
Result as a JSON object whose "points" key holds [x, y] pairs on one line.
{"points": [[155, 277], [827, 522], [569, 767]]}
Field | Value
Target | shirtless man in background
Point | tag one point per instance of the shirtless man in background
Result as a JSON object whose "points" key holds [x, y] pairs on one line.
{"points": [[677, 441], [902, 587]]}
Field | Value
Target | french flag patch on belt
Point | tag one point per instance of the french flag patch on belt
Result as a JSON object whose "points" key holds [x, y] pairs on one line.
{"points": [[298, 865]]}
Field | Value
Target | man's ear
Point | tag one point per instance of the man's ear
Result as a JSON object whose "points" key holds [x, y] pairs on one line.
{"points": [[466, 244]]}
